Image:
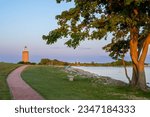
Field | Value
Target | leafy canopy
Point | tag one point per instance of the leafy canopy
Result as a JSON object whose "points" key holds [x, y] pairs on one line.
{"points": [[96, 19]]}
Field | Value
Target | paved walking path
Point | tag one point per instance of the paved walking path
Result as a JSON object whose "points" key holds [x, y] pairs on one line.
{"points": [[21, 90]]}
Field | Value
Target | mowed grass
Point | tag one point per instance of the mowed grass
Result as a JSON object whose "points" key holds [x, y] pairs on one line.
{"points": [[52, 83], [5, 69]]}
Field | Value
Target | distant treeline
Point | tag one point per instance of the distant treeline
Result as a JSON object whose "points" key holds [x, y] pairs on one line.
{"points": [[26, 63], [46, 61], [53, 62]]}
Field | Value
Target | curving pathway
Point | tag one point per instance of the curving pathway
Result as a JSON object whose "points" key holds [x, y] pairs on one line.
{"points": [[21, 90]]}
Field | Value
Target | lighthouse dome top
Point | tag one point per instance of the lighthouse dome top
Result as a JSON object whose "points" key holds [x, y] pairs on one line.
{"points": [[25, 48]]}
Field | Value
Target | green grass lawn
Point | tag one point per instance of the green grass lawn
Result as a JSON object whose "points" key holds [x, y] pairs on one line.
{"points": [[52, 83], [5, 69]]}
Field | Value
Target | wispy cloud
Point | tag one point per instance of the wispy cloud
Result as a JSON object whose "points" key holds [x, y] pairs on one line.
{"points": [[56, 48], [84, 48], [79, 48]]}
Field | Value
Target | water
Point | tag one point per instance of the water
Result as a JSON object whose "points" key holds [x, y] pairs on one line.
{"points": [[114, 72]]}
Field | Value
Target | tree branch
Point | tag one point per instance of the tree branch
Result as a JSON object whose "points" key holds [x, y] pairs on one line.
{"points": [[145, 49], [134, 45], [126, 72]]}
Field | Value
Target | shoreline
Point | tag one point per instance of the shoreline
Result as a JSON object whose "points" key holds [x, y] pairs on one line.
{"points": [[100, 79]]}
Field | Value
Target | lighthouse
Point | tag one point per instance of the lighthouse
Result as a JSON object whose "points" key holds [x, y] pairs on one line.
{"points": [[25, 55]]}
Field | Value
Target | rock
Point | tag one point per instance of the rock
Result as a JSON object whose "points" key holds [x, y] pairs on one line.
{"points": [[97, 79], [71, 77]]}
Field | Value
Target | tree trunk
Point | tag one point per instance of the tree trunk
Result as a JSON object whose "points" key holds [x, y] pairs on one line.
{"points": [[134, 54], [141, 83], [138, 76], [134, 76]]}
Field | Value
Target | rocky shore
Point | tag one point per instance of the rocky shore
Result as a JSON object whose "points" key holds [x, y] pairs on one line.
{"points": [[96, 78]]}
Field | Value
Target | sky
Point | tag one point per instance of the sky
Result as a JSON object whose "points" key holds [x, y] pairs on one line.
{"points": [[23, 22]]}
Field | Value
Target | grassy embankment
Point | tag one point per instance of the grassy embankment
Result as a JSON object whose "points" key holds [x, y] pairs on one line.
{"points": [[5, 69], [52, 83]]}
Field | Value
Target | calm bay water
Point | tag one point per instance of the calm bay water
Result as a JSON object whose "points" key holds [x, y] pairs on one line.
{"points": [[114, 72]]}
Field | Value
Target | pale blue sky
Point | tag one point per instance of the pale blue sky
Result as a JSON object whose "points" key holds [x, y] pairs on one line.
{"points": [[23, 22]]}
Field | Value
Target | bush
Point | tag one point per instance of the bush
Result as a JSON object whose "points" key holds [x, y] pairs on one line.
{"points": [[26, 63]]}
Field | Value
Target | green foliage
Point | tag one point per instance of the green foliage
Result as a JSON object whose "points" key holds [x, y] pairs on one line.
{"points": [[95, 19], [58, 1], [128, 2], [53, 62], [26, 63], [117, 50], [5, 69], [118, 63]]}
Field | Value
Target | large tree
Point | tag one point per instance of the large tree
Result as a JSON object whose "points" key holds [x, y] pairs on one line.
{"points": [[126, 22]]}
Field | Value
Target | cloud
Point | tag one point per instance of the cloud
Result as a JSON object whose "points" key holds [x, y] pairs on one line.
{"points": [[56, 48], [84, 48], [79, 48]]}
